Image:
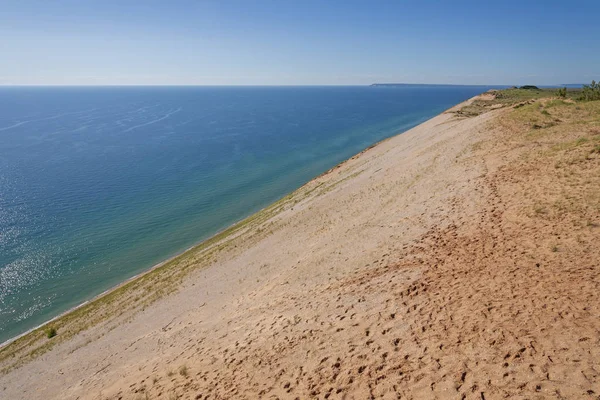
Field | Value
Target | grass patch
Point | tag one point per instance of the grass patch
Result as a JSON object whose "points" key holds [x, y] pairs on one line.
{"points": [[517, 98], [558, 103], [572, 144]]}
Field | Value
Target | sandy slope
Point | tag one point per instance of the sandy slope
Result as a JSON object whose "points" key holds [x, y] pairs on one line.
{"points": [[422, 268]]}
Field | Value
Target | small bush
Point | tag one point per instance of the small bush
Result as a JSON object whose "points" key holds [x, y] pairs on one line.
{"points": [[562, 92], [590, 92], [51, 332]]}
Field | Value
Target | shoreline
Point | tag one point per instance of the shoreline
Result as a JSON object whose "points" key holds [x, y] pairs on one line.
{"points": [[179, 254], [96, 297], [195, 246]]}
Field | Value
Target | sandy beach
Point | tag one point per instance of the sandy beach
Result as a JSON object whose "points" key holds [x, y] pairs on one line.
{"points": [[457, 260]]}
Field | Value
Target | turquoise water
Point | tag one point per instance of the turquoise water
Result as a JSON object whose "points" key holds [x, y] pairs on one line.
{"points": [[99, 184]]}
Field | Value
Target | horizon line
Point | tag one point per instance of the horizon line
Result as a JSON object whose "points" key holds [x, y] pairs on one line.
{"points": [[268, 85]]}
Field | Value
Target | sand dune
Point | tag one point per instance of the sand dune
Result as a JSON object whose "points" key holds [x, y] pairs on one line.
{"points": [[457, 260]]}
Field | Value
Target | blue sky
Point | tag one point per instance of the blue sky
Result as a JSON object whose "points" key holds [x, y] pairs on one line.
{"points": [[286, 42]]}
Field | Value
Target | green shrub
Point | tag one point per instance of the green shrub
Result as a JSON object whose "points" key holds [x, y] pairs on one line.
{"points": [[562, 92], [51, 332], [590, 92]]}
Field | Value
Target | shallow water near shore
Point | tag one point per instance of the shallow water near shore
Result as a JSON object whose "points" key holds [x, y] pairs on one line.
{"points": [[99, 184]]}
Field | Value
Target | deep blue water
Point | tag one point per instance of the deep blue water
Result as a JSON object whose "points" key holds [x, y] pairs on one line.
{"points": [[98, 184]]}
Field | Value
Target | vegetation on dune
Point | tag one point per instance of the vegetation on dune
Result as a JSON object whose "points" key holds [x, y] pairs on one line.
{"points": [[528, 94], [502, 98], [590, 92], [529, 87]]}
